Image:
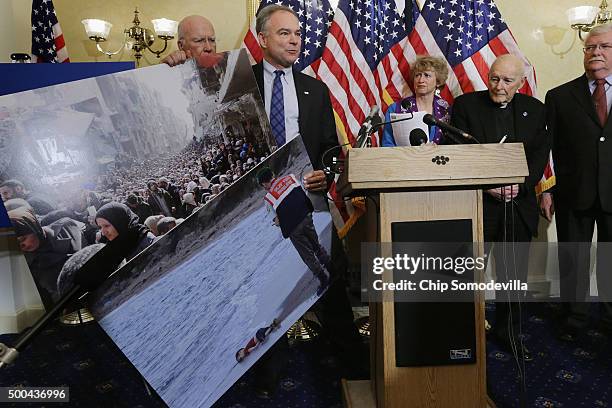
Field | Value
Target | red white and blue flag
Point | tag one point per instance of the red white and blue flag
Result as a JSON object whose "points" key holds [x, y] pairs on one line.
{"points": [[470, 34], [363, 49], [47, 39], [358, 51]]}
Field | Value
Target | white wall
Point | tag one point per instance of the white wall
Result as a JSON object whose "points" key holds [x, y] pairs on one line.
{"points": [[7, 28], [15, 35], [20, 303]]}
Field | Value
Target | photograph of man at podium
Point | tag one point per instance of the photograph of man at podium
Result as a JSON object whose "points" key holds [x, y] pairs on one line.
{"points": [[497, 115]]}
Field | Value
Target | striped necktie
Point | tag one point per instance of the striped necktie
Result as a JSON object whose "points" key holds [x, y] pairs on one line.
{"points": [[600, 100], [277, 109]]}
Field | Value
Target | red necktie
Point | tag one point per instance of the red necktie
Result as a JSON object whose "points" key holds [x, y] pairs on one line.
{"points": [[601, 103]]}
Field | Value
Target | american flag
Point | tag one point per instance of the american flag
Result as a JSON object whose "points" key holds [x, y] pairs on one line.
{"points": [[47, 38], [548, 177], [315, 18], [366, 59], [358, 50], [470, 34], [369, 45]]}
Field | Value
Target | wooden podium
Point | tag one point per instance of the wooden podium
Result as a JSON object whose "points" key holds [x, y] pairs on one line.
{"points": [[431, 184]]}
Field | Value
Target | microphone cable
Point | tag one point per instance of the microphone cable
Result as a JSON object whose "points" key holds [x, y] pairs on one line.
{"points": [[516, 353], [519, 308]]}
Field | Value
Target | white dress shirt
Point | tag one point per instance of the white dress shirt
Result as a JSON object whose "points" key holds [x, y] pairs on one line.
{"points": [[290, 100], [607, 88]]}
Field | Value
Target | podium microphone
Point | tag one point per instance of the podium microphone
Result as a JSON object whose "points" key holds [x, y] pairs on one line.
{"points": [[418, 137], [369, 124], [430, 120], [406, 104], [332, 164]]}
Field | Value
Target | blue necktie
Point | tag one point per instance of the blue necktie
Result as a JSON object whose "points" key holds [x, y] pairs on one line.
{"points": [[277, 109]]}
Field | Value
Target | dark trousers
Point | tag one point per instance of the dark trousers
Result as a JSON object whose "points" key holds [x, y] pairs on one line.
{"points": [[506, 236], [306, 242], [575, 232]]}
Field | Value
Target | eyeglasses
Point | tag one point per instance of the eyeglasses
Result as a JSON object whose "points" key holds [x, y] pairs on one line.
{"points": [[589, 49]]}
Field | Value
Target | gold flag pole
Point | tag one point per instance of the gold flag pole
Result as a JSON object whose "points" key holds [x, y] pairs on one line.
{"points": [[252, 6]]}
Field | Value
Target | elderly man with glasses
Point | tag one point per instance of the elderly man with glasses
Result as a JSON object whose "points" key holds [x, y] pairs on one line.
{"points": [[577, 119]]}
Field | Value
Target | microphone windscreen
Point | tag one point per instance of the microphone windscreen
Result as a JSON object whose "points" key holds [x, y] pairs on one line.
{"points": [[418, 137], [429, 119], [406, 104]]}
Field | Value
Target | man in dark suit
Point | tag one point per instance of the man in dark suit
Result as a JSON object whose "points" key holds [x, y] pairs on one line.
{"points": [[306, 113], [308, 110], [577, 119], [510, 213]]}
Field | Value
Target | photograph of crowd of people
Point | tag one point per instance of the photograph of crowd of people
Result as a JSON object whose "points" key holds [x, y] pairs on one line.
{"points": [[184, 159], [159, 142]]}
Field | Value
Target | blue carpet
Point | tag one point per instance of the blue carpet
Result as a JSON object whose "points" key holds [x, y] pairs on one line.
{"points": [[562, 374]]}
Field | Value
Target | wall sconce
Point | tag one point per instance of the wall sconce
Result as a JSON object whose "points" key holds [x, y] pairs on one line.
{"points": [[136, 37], [553, 36], [584, 18]]}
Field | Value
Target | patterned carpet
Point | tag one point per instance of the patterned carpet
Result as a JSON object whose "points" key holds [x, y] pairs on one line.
{"points": [[562, 374]]}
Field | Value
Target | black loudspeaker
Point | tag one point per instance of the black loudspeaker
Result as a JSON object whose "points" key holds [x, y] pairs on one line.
{"points": [[435, 333]]}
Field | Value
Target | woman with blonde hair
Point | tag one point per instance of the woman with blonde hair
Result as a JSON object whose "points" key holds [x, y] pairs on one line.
{"points": [[427, 74]]}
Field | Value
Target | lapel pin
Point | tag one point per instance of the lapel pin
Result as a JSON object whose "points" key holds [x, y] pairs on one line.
{"points": [[306, 93], [525, 114]]}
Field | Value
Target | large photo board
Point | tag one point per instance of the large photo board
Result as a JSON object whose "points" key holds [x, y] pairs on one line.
{"points": [[178, 155]]}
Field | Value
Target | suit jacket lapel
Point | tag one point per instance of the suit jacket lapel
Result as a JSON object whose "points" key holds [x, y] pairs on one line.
{"points": [[258, 71], [302, 93], [521, 117], [488, 118], [582, 93]]}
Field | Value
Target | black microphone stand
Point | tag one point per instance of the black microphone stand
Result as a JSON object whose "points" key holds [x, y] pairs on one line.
{"points": [[90, 276], [377, 126], [367, 141], [361, 139], [9, 354]]}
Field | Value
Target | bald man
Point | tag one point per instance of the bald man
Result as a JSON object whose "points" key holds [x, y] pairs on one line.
{"points": [[196, 36], [510, 212]]}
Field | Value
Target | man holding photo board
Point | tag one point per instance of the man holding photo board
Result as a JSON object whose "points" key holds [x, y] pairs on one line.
{"points": [[299, 105]]}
